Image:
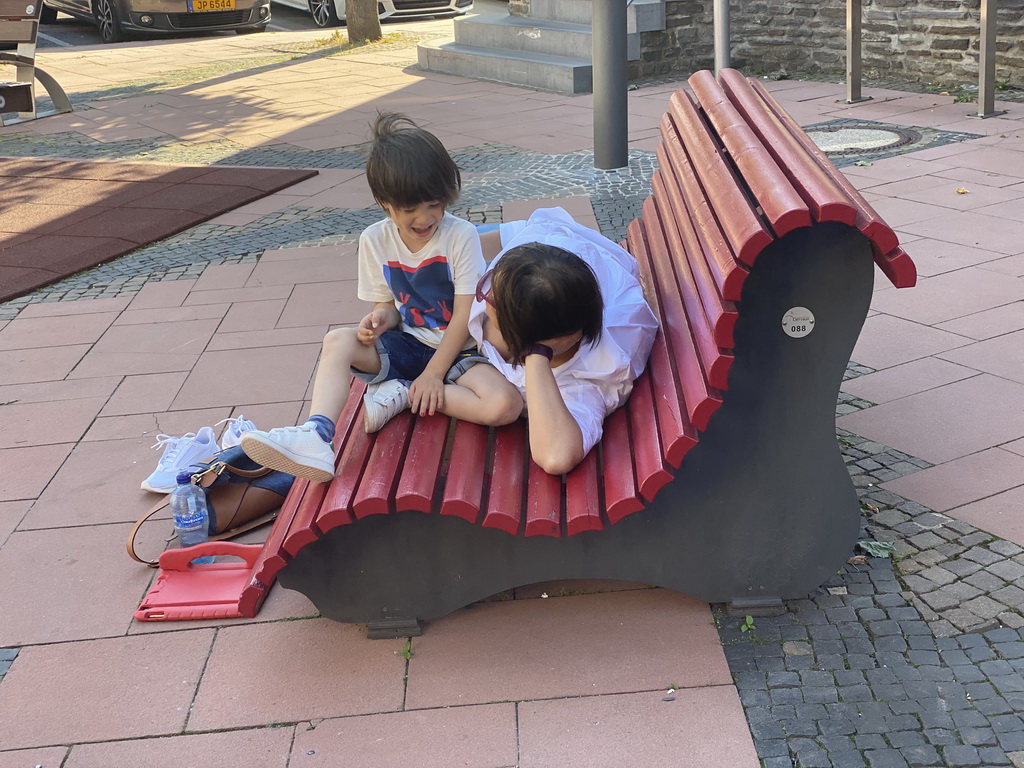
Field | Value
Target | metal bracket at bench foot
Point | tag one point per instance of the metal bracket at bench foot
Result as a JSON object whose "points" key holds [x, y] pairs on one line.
{"points": [[755, 606], [386, 629]]}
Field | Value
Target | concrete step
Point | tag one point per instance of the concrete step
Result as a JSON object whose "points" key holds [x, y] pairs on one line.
{"points": [[547, 38], [641, 15], [533, 70]]}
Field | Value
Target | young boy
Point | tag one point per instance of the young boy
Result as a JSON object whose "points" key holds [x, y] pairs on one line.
{"points": [[419, 267]]}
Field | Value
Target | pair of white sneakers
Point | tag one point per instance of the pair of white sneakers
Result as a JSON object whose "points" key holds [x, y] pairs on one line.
{"points": [[191, 448], [300, 451]]}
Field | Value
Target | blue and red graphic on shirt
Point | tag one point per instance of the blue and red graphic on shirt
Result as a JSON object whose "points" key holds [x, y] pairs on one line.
{"points": [[426, 292]]}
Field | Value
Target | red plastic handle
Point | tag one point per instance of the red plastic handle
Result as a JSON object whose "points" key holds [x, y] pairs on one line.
{"points": [[181, 559]]}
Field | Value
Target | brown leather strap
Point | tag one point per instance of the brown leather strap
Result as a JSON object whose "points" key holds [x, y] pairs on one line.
{"points": [[130, 543]]}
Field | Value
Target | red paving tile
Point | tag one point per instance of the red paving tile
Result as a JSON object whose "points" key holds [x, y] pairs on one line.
{"points": [[991, 322], [28, 470], [326, 303], [255, 748], [254, 375], [482, 737], [172, 314], [906, 379], [886, 341], [53, 391], [22, 366], [70, 584], [948, 296], [35, 333], [567, 646], [28, 424], [11, 513], [946, 422], [1002, 356], [962, 480], [998, 515], [45, 757], [703, 728], [166, 293], [63, 308], [220, 276], [147, 348], [146, 393], [306, 670], [252, 316], [99, 483], [126, 687]]}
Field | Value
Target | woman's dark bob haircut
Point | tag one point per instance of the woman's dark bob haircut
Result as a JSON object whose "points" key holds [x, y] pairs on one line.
{"points": [[408, 165], [543, 292]]}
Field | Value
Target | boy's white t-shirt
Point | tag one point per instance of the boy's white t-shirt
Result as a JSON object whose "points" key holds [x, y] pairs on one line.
{"points": [[422, 285], [599, 377]]}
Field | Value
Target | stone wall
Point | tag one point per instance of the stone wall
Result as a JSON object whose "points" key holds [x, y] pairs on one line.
{"points": [[927, 41]]}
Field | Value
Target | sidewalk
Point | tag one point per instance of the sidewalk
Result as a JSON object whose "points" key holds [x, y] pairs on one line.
{"points": [[917, 661]]}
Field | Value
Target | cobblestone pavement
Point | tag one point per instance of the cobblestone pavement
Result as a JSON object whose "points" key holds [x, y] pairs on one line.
{"points": [[911, 660]]}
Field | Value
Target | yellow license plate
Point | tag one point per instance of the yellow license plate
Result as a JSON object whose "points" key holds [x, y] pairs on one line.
{"points": [[201, 6]]}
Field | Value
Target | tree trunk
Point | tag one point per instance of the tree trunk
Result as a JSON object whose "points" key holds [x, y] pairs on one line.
{"points": [[362, 21]]}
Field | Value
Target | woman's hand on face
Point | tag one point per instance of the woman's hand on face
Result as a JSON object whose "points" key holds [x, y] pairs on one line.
{"points": [[426, 394]]}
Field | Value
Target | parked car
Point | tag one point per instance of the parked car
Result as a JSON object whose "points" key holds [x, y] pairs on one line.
{"points": [[118, 19], [331, 13]]}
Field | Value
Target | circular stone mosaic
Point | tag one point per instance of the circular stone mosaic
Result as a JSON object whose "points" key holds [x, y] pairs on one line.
{"points": [[861, 139]]}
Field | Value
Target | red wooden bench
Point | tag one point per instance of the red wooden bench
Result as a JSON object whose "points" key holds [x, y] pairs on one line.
{"points": [[721, 477]]}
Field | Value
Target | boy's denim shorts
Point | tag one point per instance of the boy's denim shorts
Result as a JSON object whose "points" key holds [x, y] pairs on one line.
{"points": [[404, 357]]}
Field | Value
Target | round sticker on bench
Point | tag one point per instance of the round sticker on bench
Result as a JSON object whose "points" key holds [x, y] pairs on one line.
{"points": [[798, 322]]}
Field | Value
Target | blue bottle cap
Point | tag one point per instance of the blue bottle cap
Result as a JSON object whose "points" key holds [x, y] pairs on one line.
{"points": [[184, 478]]}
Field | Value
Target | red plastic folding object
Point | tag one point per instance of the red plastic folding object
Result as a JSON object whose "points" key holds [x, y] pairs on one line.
{"points": [[184, 590]]}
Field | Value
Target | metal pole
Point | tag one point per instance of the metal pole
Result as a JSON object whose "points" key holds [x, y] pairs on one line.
{"points": [[611, 121], [854, 63], [987, 61], [722, 36]]}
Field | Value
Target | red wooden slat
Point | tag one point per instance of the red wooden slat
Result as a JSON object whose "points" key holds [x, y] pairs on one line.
{"points": [[337, 505], [720, 314], [675, 326], [335, 509], [304, 530], [505, 499], [726, 271], [543, 502], [651, 473], [827, 200], [273, 557], [582, 498], [422, 464], [743, 228], [621, 496], [674, 428], [374, 494], [464, 485], [715, 362], [898, 267], [779, 201], [868, 221]]}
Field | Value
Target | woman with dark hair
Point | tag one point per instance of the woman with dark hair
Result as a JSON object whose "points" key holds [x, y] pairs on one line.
{"points": [[562, 315]]}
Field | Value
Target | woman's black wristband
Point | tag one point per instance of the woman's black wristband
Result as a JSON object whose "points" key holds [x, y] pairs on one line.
{"points": [[539, 349]]}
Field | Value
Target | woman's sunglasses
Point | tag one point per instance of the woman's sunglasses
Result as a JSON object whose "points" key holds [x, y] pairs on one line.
{"points": [[483, 288]]}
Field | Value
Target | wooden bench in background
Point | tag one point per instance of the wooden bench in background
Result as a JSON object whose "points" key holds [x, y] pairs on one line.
{"points": [[19, 24], [720, 478]]}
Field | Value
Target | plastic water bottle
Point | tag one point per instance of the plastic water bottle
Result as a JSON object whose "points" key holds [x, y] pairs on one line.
{"points": [[191, 517]]}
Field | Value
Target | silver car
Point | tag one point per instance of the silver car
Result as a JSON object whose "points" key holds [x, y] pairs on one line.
{"points": [[331, 13], [117, 19]]}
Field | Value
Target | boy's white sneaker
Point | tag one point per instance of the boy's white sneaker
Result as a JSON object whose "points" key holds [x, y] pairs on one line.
{"points": [[234, 430], [299, 451], [382, 402], [179, 454]]}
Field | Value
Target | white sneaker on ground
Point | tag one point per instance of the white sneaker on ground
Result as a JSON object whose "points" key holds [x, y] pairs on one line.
{"points": [[299, 451], [234, 430], [179, 454], [382, 402]]}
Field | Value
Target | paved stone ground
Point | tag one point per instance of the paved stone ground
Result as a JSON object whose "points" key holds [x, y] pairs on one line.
{"points": [[913, 660]]}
